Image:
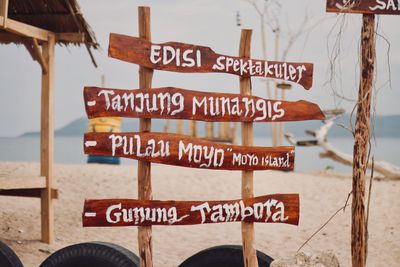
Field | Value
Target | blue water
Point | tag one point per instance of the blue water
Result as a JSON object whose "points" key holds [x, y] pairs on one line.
{"points": [[69, 150]]}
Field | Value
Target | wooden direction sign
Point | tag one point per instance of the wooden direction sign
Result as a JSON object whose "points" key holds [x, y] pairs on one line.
{"points": [[175, 103], [387, 7], [181, 150], [180, 57], [279, 208]]}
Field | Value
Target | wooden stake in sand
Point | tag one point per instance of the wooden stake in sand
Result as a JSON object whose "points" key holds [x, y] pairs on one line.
{"points": [[144, 168], [249, 250], [362, 131], [361, 145]]}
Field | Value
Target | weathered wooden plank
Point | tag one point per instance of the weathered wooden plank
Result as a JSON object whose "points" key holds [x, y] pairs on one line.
{"points": [[176, 103], [180, 57], [384, 7], [186, 151], [278, 208]]}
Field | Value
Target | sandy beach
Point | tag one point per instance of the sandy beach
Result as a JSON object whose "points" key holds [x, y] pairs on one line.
{"points": [[320, 196]]}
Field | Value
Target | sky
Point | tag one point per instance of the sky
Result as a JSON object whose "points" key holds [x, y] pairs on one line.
{"points": [[208, 23]]}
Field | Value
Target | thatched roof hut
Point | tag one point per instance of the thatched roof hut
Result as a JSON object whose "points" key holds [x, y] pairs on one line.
{"points": [[62, 17]]}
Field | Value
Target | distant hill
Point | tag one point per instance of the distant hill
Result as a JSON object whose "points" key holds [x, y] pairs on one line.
{"points": [[386, 126]]}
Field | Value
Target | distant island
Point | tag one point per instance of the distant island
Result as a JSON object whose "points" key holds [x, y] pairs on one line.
{"points": [[386, 126]]}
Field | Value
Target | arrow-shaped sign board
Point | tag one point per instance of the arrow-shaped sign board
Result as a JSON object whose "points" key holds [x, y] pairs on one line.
{"points": [[278, 208], [384, 7], [175, 103], [181, 150], [187, 58]]}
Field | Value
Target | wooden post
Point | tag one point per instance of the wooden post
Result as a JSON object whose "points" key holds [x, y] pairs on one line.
{"points": [[209, 130], [274, 125], [144, 168], [47, 141], [193, 128], [360, 151], [224, 130], [179, 126], [4, 12], [249, 251]]}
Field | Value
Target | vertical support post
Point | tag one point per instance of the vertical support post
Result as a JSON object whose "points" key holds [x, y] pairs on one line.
{"points": [[144, 168], [179, 126], [193, 128], [47, 141], [276, 125], [223, 130], [4, 12], [209, 130], [362, 135], [249, 251]]}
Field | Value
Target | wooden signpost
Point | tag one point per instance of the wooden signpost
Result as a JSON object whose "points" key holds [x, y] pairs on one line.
{"points": [[279, 208], [145, 146], [362, 128], [384, 7], [186, 151], [182, 57], [175, 103]]}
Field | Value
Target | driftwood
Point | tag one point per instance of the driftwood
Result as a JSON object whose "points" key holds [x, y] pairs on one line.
{"points": [[386, 169]]}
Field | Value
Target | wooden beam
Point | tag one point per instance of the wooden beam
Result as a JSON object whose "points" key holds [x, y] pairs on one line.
{"points": [[3, 12], [145, 191], [249, 250], [27, 30], [30, 192], [71, 37], [47, 141], [39, 56], [21, 182]]}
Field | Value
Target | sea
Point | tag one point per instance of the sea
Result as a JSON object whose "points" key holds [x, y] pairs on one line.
{"points": [[69, 150]]}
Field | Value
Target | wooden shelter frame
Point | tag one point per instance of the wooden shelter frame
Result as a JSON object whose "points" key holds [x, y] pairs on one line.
{"points": [[40, 43]]}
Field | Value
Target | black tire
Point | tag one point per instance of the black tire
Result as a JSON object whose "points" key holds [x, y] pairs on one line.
{"points": [[92, 254], [8, 258], [223, 256]]}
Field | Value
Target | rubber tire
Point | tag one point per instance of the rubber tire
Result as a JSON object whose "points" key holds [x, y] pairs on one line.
{"points": [[223, 256], [8, 258], [92, 254]]}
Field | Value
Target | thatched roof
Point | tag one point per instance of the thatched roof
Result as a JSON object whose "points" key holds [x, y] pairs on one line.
{"points": [[58, 16]]}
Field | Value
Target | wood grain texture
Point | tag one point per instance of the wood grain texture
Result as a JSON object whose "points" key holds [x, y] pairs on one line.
{"points": [[145, 191], [384, 7], [248, 238], [186, 151], [278, 208], [176, 103], [203, 60], [362, 138]]}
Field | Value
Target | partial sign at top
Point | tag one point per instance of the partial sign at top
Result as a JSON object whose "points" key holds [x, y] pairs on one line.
{"points": [[385, 7], [188, 58]]}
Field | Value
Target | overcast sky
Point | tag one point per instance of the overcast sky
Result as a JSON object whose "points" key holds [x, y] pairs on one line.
{"points": [[204, 22]]}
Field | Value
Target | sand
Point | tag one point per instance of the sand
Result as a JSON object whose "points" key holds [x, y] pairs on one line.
{"points": [[320, 196]]}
